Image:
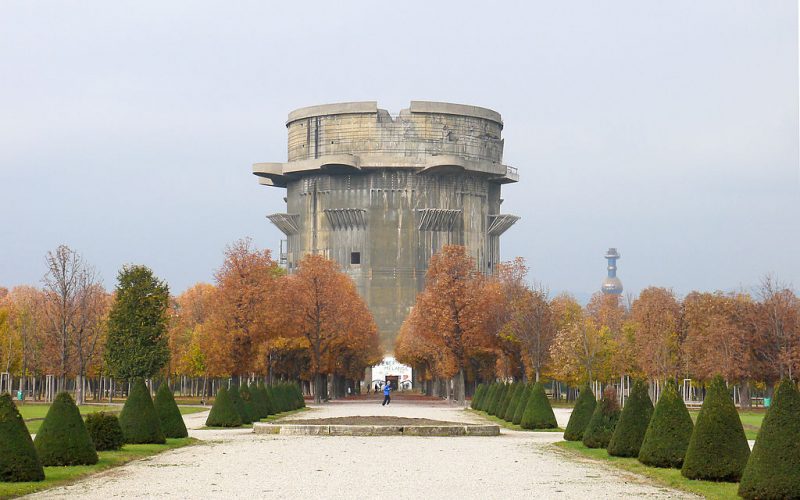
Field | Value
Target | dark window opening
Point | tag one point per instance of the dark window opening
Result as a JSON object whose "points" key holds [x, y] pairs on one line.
{"points": [[355, 257]]}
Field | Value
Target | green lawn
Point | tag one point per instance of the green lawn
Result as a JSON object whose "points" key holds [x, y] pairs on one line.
{"points": [[509, 425], [56, 476], [666, 477], [39, 411], [751, 420]]}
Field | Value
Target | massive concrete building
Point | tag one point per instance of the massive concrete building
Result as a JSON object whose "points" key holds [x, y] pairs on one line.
{"points": [[380, 194]]}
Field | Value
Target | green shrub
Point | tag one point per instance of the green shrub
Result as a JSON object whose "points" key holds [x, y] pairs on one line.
{"points": [[138, 418], [508, 415], [773, 470], [247, 401], [223, 413], [503, 406], [301, 402], [523, 403], [601, 427], [269, 403], [63, 439], [18, 459], [668, 433], [259, 401], [477, 396], [581, 414], [244, 415], [538, 412], [497, 400], [169, 415], [718, 448], [633, 422], [491, 391], [105, 431]]}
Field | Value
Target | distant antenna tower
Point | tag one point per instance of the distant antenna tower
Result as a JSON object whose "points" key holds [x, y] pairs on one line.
{"points": [[612, 285]]}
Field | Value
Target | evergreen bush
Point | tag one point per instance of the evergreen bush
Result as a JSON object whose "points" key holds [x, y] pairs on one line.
{"points": [[633, 422], [668, 433], [773, 470], [223, 413], [244, 415], [503, 406], [477, 396], [169, 415], [301, 402], [18, 459], [247, 401], [523, 403], [63, 439], [718, 449], [269, 403], [138, 418], [538, 412], [603, 422], [498, 399], [487, 399], [508, 415], [105, 431], [259, 401], [581, 414]]}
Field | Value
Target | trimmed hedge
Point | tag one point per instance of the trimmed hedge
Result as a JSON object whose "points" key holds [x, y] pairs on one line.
{"points": [[498, 399], [169, 416], [773, 470], [139, 421], [18, 459], [63, 439], [523, 402], [502, 408], [603, 422], [259, 400], [633, 422], [477, 396], [244, 415], [269, 403], [223, 413], [538, 412], [581, 414], [670, 429], [490, 393], [508, 416], [718, 449], [105, 431], [247, 401]]}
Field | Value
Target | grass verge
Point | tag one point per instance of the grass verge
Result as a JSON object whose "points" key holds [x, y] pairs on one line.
{"points": [[509, 425], [59, 476], [667, 477], [34, 425]]}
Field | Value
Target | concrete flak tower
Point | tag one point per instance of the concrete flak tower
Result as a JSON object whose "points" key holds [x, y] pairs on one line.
{"points": [[380, 194], [612, 285]]}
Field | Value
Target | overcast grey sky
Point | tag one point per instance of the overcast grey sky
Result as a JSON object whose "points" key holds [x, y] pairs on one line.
{"points": [[666, 129]]}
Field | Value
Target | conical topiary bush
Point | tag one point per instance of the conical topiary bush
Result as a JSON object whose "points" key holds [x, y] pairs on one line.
{"points": [[244, 415], [508, 416], [138, 419], [487, 399], [503, 406], [269, 404], [169, 415], [523, 403], [105, 431], [259, 402], [601, 427], [633, 422], [247, 400], [538, 412], [477, 396], [63, 439], [718, 449], [668, 433], [18, 459], [581, 414], [223, 413], [773, 470], [498, 399]]}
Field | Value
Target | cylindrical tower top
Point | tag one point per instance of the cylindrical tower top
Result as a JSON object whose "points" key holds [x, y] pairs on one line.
{"points": [[612, 285]]}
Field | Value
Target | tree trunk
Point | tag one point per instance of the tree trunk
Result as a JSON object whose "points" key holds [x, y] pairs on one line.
{"points": [[744, 394], [318, 388], [460, 389]]}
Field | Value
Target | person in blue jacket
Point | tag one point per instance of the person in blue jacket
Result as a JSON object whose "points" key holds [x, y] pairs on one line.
{"points": [[387, 389]]}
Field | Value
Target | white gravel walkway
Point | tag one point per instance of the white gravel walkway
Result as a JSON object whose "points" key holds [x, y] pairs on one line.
{"points": [[239, 464]]}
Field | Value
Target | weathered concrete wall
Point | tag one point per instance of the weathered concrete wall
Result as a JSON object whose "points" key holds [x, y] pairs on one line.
{"points": [[380, 195]]}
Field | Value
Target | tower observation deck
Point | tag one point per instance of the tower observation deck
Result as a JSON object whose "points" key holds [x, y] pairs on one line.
{"points": [[612, 285], [380, 194]]}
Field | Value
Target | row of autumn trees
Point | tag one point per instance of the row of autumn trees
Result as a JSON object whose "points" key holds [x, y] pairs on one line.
{"points": [[469, 326], [255, 321]]}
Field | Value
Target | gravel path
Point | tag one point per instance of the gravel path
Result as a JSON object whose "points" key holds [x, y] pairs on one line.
{"points": [[239, 464]]}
